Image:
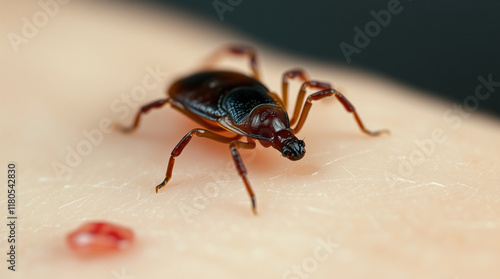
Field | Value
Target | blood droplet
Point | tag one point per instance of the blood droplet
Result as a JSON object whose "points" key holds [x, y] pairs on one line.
{"points": [[100, 237]]}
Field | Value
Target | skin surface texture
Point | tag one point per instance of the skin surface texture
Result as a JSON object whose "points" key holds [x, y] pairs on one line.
{"points": [[422, 202]]}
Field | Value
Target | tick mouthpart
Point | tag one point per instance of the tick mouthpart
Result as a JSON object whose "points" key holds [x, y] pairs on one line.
{"points": [[294, 149]]}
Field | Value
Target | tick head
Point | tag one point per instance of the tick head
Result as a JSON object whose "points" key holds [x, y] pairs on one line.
{"points": [[294, 149]]}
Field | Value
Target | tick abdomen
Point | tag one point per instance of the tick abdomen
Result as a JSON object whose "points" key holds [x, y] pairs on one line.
{"points": [[215, 94]]}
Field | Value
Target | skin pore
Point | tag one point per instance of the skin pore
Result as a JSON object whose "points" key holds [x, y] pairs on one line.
{"points": [[421, 202]]}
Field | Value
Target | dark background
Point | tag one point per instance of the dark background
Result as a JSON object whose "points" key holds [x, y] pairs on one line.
{"points": [[438, 46]]}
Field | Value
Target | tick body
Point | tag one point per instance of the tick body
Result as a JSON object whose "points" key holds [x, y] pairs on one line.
{"points": [[241, 104]]}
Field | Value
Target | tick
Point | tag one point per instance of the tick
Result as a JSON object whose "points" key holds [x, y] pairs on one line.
{"points": [[241, 104]]}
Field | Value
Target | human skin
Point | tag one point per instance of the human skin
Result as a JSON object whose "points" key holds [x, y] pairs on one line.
{"points": [[421, 202]]}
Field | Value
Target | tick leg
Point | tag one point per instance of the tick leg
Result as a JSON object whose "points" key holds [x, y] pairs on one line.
{"points": [[347, 105], [183, 142], [300, 98], [291, 74], [240, 167], [235, 50], [156, 104]]}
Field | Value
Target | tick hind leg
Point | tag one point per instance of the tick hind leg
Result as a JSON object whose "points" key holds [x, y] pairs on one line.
{"points": [[237, 50], [234, 145], [144, 109], [347, 105]]}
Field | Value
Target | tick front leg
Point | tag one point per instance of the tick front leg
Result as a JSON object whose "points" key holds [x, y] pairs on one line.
{"points": [[235, 50], [240, 167], [156, 104], [291, 74], [347, 105], [183, 142], [299, 73], [300, 97]]}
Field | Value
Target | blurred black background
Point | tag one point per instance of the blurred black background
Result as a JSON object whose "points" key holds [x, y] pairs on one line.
{"points": [[439, 46]]}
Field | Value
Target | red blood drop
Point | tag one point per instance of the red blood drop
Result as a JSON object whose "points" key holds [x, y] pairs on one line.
{"points": [[100, 237]]}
